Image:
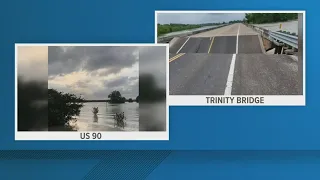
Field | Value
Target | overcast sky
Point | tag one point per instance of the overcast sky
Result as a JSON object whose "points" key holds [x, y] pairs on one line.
{"points": [[94, 71], [197, 18]]}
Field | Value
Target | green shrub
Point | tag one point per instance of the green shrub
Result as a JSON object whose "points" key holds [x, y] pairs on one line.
{"points": [[62, 107]]}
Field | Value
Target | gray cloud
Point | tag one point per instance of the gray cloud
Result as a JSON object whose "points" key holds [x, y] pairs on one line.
{"points": [[94, 72], [90, 58], [133, 78], [117, 82], [131, 91], [105, 72], [120, 84], [197, 18], [82, 84], [99, 94]]}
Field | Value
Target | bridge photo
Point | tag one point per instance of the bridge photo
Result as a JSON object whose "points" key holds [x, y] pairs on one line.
{"points": [[233, 53]]}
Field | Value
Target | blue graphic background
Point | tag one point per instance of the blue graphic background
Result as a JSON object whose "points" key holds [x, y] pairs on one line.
{"points": [[89, 165], [228, 128]]}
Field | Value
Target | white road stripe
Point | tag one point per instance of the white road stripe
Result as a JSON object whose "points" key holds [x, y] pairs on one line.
{"points": [[228, 89], [183, 45], [237, 39]]}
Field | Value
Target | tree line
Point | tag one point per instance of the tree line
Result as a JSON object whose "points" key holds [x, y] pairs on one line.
{"points": [[260, 18], [254, 18], [236, 21], [168, 28], [116, 97]]}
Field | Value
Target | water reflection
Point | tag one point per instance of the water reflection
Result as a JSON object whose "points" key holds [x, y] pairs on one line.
{"points": [[104, 119], [95, 118], [115, 108]]}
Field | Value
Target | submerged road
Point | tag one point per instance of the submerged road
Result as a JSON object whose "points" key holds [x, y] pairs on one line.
{"points": [[229, 61]]}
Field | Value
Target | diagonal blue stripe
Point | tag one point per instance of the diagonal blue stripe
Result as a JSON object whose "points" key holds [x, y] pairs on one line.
{"points": [[127, 165], [46, 169]]}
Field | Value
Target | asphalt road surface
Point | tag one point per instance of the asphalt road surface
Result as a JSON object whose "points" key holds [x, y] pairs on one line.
{"points": [[229, 61]]}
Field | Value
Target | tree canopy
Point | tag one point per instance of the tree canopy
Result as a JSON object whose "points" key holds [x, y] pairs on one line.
{"points": [[116, 97], [62, 107], [259, 18], [168, 28], [235, 21]]}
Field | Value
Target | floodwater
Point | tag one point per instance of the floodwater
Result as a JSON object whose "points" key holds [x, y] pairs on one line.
{"points": [[104, 120]]}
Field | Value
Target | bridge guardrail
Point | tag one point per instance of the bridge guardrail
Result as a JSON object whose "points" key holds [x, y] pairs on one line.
{"points": [[285, 38], [277, 37]]}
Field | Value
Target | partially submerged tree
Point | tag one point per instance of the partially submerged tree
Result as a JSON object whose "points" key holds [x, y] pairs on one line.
{"points": [[115, 97], [62, 107], [119, 120]]}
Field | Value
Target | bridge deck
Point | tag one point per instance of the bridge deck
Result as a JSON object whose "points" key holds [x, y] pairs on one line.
{"points": [[203, 64]]}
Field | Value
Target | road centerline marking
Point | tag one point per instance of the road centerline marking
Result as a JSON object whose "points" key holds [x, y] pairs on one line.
{"points": [[228, 88], [176, 57], [210, 45], [183, 45], [237, 45]]}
